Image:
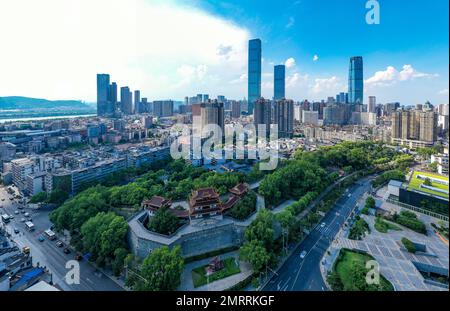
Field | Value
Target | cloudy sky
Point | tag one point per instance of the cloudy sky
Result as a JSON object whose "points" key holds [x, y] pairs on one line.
{"points": [[171, 49]]}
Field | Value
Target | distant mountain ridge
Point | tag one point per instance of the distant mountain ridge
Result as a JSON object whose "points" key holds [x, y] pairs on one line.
{"points": [[20, 102]]}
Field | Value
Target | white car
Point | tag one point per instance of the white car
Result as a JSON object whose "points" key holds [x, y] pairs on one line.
{"points": [[26, 214], [16, 212], [322, 225], [303, 254]]}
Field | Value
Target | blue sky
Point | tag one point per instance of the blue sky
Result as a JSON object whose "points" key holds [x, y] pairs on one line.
{"points": [[413, 32], [174, 48]]}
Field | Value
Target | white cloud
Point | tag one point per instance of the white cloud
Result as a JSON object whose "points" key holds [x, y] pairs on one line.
{"points": [[326, 86], [291, 22], [294, 80], [392, 75], [315, 58], [290, 62], [242, 79], [54, 48], [443, 92]]}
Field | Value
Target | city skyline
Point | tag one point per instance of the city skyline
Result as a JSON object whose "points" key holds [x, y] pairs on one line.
{"points": [[411, 72]]}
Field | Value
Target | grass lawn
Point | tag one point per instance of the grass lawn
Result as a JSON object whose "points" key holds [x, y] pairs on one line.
{"points": [[415, 183], [199, 277], [384, 226], [344, 267]]}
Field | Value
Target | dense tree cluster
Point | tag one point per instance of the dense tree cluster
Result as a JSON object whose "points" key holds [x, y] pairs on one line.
{"points": [[387, 176], [259, 245], [160, 271], [410, 220], [245, 207], [103, 236], [164, 222]]}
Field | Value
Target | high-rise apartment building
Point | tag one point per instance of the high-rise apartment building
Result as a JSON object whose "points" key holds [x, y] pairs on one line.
{"points": [[254, 73], [163, 108], [356, 81], [137, 101], [372, 104], [126, 100], [284, 117], [262, 114], [414, 127], [235, 109], [113, 96], [279, 82]]}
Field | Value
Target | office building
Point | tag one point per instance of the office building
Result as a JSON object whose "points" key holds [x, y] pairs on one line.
{"points": [[113, 96], [279, 82], [103, 94], [254, 73], [356, 81]]}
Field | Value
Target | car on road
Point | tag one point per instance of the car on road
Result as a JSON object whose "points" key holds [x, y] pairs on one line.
{"points": [[66, 250], [78, 257], [16, 231], [3, 199], [26, 214], [22, 211], [59, 244], [41, 238], [322, 225], [20, 207], [23, 220], [303, 254], [11, 216], [16, 212]]}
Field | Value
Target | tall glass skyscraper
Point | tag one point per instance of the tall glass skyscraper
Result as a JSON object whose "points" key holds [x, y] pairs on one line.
{"points": [[356, 81], [254, 73], [102, 94], [279, 82]]}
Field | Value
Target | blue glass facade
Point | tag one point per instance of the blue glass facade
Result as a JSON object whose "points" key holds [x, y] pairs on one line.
{"points": [[356, 81], [279, 82], [254, 73], [102, 94]]}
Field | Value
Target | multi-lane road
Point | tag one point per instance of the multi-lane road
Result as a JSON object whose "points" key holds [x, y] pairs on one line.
{"points": [[297, 274], [47, 254]]}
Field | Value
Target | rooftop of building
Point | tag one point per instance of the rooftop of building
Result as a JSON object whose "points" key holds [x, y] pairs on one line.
{"points": [[439, 184]]}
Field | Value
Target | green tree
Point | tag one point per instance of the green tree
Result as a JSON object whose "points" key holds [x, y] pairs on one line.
{"points": [[120, 255], [103, 234], [164, 222], [261, 229], [40, 197], [370, 202], [161, 270], [254, 253]]}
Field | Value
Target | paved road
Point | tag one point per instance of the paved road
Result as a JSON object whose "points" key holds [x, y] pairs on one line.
{"points": [[298, 274], [48, 254]]}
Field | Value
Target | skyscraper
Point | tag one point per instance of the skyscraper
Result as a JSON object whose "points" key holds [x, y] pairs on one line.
{"points": [[254, 73], [102, 94], [279, 82], [137, 101], [113, 96], [235, 109], [356, 81], [126, 102]]}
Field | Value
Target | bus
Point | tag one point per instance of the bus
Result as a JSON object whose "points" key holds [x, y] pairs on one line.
{"points": [[29, 225], [50, 234], [5, 218]]}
